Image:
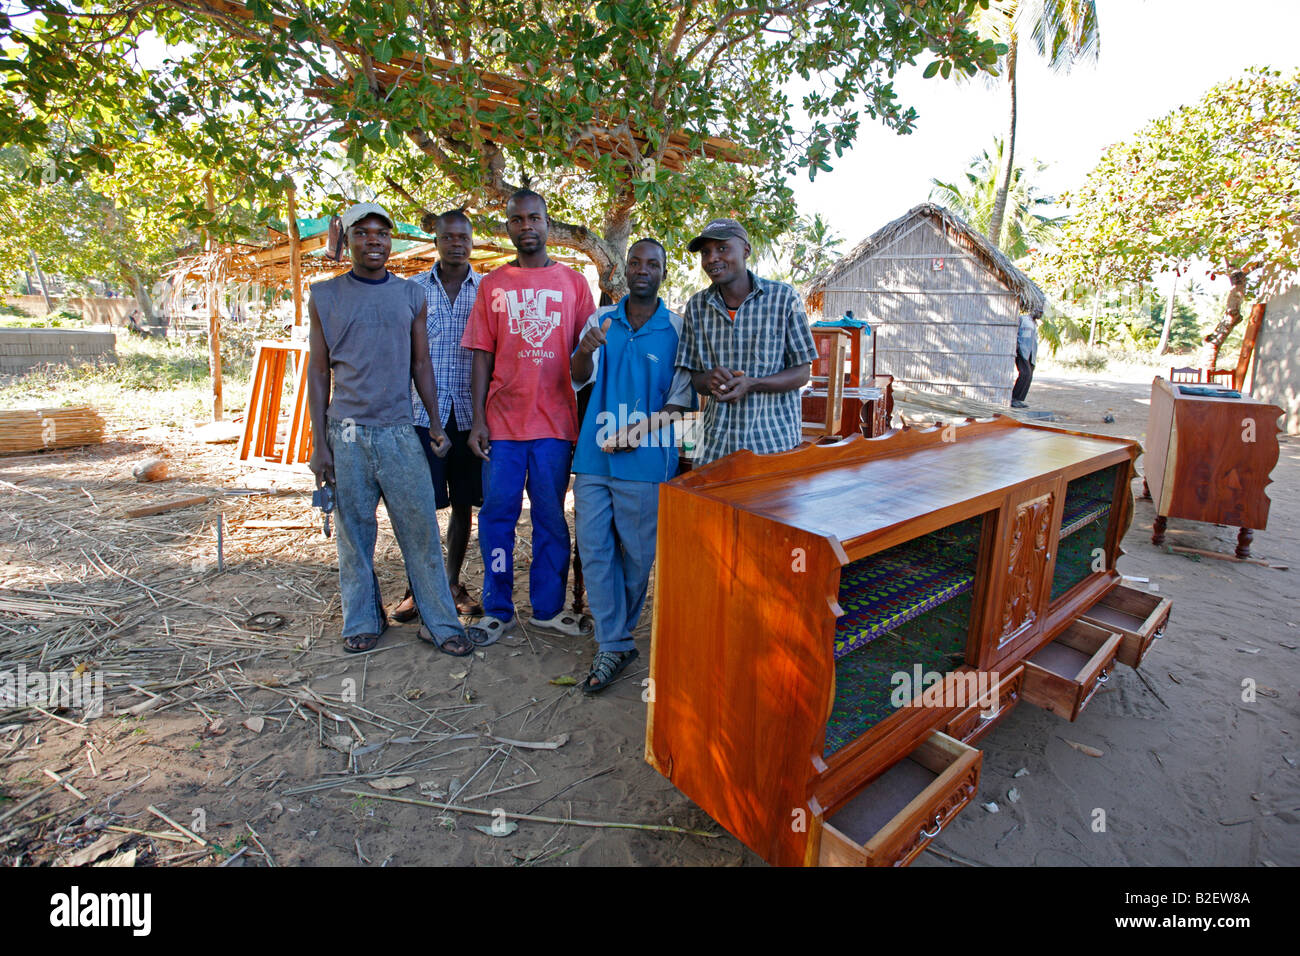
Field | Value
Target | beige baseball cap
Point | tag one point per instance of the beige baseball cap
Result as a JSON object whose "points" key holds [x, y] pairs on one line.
{"points": [[359, 211]]}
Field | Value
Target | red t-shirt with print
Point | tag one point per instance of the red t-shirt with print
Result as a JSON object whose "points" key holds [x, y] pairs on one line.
{"points": [[531, 320]]}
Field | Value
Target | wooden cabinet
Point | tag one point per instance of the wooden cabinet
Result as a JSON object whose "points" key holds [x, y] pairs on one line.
{"points": [[1209, 459], [835, 625]]}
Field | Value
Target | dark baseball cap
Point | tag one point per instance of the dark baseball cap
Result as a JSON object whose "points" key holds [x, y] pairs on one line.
{"points": [[719, 229]]}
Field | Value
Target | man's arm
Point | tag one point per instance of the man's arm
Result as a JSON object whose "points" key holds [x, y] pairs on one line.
{"points": [[426, 384], [318, 397], [480, 442]]}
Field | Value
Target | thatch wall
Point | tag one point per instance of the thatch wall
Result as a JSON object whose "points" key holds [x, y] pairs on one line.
{"points": [[944, 304]]}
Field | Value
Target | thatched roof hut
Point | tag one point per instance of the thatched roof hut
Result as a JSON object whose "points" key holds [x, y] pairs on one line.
{"points": [[943, 302]]}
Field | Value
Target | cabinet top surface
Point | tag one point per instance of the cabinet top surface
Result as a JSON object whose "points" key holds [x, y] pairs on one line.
{"points": [[877, 489]]}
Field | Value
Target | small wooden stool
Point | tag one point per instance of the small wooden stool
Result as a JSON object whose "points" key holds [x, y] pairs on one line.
{"points": [[262, 419]]}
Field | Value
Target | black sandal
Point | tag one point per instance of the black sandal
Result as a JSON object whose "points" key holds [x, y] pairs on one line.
{"points": [[458, 645], [606, 666], [360, 643]]}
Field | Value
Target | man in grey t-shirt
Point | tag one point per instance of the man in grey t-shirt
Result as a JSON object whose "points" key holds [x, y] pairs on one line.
{"points": [[369, 341]]}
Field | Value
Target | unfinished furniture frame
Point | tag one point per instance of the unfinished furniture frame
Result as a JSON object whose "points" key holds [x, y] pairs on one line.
{"points": [[271, 364], [827, 384], [866, 402], [849, 618], [1209, 459]]}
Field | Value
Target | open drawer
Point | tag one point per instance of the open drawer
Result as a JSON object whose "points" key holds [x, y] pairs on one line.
{"points": [[1063, 675], [1138, 617], [892, 819], [973, 723]]}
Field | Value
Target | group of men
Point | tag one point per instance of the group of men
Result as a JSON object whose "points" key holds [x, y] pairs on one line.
{"points": [[457, 390]]}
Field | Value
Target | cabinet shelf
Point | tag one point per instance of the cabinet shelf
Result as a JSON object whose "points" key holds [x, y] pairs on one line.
{"points": [[884, 591], [1081, 512]]}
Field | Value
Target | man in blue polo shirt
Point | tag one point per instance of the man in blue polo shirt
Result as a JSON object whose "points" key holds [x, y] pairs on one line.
{"points": [[625, 449]]}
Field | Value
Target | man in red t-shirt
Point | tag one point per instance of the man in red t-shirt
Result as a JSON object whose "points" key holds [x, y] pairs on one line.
{"points": [[525, 324]]}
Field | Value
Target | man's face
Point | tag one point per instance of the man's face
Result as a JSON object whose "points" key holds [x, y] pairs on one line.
{"points": [[526, 224], [370, 240], [723, 260], [645, 270], [454, 242]]}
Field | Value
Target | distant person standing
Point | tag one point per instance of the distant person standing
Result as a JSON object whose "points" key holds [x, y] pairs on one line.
{"points": [[748, 347], [1026, 357], [450, 289]]}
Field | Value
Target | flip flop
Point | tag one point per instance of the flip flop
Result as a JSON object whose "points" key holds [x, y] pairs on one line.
{"points": [[566, 623], [447, 644], [487, 631]]}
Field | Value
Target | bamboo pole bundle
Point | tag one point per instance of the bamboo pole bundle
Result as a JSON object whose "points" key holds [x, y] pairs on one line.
{"points": [[32, 429]]}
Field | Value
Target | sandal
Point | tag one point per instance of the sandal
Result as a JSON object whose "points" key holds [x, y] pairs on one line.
{"points": [[606, 666], [464, 603], [360, 643], [566, 623], [487, 631], [458, 645]]}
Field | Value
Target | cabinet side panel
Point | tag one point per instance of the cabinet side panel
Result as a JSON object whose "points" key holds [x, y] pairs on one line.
{"points": [[1160, 422], [742, 669], [1226, 451]]}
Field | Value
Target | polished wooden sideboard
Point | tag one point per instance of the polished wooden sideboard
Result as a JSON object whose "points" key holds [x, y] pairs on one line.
{"points": [[1209, 458], [835, 626]]}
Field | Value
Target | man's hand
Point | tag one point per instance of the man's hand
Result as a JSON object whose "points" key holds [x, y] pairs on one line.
{"points": [[594, 337], [440, 442], [479, 441], [732, 389], [322, 463], [627, 437]]}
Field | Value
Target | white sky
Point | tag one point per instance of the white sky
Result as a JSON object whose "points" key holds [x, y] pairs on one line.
{"points": [[1156, 55]]}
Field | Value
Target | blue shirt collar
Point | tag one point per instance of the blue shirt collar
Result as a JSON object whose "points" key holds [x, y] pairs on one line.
{"points": [[659, 316], [436, 274]]}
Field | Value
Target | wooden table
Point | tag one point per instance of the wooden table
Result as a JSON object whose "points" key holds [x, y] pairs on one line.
{"points": [[1208, 458]]}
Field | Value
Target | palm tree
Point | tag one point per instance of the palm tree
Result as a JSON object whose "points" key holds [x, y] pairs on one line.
{"points": [[1025, 226], [1063, 31]]}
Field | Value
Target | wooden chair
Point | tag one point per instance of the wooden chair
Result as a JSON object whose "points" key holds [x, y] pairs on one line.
{"points": [[1188, 376], [823, 405], [1212, 374]]}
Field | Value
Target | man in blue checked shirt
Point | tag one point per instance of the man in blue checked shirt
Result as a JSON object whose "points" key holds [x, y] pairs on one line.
{"points": [[450, 288], [626, 447], [747, 344]]}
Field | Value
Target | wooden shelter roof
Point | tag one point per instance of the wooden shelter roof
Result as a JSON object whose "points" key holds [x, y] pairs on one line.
{"points": [[959, 232]]}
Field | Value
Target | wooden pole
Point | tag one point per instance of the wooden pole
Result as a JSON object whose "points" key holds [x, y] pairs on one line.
{"points": [[295, 260], [40, 277], [214, 316]]}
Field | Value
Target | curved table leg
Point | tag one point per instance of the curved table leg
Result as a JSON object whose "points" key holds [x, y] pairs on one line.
{"points": [[1244, 537]]}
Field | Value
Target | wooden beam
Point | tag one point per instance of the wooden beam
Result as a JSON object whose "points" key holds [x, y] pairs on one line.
{"points": [[295, 260], [214, 315]]}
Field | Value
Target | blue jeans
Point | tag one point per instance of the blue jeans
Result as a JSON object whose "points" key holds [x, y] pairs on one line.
{"points": [[542, 467], [370, 460], [616, 521]]}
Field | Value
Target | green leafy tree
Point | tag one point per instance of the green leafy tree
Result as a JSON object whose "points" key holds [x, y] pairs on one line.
{"points": [[1026, 228], [81, 234], [653, 116], [1218, 180]]}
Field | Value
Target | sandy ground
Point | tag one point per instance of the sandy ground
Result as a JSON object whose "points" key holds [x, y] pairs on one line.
{"points": [[1189, 772]]}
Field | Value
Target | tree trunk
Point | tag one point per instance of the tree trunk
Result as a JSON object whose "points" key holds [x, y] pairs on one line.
{"points": [[1008, 152], [1096, 312], [136, 284], [1163, 345], [40, 277]]}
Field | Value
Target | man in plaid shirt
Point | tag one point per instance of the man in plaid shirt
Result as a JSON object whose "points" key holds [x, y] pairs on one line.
{"points": [[747, 344], [450, 288]]}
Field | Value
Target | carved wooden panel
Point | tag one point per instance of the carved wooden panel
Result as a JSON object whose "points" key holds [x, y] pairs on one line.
{"points": [[1027, 561]]}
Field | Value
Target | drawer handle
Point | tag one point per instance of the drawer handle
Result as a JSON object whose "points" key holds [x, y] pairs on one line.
{"points": [[1160, 632], [1103, 677], [937, 827]]}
